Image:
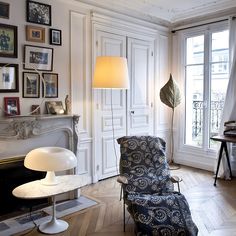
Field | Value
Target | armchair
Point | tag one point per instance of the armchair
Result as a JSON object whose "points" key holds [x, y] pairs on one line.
{"points": [[148, 190]]}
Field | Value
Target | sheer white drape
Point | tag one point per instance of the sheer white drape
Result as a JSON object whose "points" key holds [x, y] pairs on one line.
{"points": [[229, 111]]}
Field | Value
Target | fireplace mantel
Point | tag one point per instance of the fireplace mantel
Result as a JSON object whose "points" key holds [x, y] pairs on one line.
{"points": [[21, 134], [23, 130]]}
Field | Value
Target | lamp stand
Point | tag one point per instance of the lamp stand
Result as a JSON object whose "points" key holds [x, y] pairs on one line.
{"points": [[54, 226], [113, 132], [50, 179]]}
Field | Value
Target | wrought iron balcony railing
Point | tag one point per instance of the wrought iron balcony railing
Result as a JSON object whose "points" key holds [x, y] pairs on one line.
{"points": [[215, 116]]}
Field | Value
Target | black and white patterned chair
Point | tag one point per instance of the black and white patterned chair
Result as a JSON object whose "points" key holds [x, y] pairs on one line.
{"points": [[148, 190]]}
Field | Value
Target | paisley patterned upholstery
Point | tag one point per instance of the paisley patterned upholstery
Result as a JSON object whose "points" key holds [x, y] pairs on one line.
{"points": [[167, 214], [153, 205], [143, 163]]}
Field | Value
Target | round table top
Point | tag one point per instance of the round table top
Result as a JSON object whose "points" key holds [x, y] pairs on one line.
{"points": [[36, 189]]}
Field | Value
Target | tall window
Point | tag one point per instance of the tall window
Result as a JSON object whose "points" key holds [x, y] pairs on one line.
{"points": [[206, 80]]}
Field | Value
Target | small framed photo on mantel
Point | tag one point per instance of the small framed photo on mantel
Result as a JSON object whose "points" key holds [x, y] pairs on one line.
{"points": [[54, 107], [35, 110], [12, 106]]}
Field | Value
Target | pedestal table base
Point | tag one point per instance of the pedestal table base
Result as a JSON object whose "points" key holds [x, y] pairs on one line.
{"points": [[54, 226]]}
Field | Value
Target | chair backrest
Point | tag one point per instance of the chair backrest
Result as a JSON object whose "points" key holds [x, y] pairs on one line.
{"points": [[143, 163]]}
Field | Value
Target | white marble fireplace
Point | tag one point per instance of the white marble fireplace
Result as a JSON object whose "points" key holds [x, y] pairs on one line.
{"points": [[21, 134]]}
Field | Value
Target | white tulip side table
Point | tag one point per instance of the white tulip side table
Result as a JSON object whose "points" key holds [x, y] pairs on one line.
{"points": [[35, 190]]}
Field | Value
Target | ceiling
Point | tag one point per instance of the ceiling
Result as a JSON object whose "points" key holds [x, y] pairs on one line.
{"points": [[171, 11]]}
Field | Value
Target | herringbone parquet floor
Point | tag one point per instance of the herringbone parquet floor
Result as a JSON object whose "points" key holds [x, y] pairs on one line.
{"points": [[213, 208]]}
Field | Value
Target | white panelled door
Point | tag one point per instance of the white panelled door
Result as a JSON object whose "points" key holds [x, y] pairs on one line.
{"points": [[132, 109], [140, 97], [108, 44]]}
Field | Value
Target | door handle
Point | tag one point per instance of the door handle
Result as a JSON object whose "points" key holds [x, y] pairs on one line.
{"points": [[131, 112]]}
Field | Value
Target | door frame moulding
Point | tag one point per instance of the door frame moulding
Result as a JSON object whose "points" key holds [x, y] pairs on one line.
{"points": [[80, 79]]}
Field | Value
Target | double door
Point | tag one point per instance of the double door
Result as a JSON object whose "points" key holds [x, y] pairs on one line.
{"points": [[133, 110]]}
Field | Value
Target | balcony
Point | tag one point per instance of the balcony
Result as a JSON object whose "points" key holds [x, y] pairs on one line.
{"points": [[197, 122]]}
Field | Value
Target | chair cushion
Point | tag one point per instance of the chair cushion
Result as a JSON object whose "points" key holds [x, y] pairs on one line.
{"points": [[143, 163], [167, 214]]}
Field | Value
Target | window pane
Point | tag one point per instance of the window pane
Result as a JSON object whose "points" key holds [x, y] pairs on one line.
{"points": [[194, 105], [195, 49], [220, 46], [219, 80]]}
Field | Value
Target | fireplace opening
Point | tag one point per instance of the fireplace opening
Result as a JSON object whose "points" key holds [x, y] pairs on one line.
{"points": [[12, 174]]}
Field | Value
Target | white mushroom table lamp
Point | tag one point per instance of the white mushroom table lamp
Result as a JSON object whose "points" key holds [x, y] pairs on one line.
{"points": [[50, 159]]}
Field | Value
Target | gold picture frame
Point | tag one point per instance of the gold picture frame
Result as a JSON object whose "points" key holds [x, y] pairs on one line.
{"points": [[35, 34], [54, 107]]}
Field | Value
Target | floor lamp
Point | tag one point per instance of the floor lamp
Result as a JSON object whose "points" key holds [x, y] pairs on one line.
{"points": [[111, 73]]}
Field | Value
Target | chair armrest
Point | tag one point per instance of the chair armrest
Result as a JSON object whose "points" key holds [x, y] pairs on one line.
{"points": [[175, 179], [122, 180]]}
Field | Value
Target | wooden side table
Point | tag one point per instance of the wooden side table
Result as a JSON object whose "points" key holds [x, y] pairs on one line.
{"points": [[224, 140], [36, 189]]}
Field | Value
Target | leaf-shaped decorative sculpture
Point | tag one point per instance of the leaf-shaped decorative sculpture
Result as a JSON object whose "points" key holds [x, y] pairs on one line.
{"points": [[170, 93], [170, 96]]}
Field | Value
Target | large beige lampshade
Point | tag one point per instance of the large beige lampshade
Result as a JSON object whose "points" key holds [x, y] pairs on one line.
{"points": [[50, 159], [111, 72]]}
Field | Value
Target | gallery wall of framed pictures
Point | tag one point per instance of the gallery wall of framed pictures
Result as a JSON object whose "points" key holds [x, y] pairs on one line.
{"points": [[37, 56]]}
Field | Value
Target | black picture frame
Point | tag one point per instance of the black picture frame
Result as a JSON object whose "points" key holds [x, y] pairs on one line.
{"points": [[50, 85], [55, 37], [38, 13], [30, 85], [4, 10], [8, 41], [9, 82], [39, 58]]}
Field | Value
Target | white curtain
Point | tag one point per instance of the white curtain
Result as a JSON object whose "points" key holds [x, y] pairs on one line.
{"points": [[229, 111]]}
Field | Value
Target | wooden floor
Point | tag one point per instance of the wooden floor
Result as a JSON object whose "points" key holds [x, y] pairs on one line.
{"points": [[213, 208]]}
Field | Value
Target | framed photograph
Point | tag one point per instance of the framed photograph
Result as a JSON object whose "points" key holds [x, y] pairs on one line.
{"points": [[4, 10], [35, 34], [35, 109], [12, 106], [31, 85], [38, 13], [54, 107], [55, 37], [50, 85], [40, 58], [8, 41], [9, 78]]}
